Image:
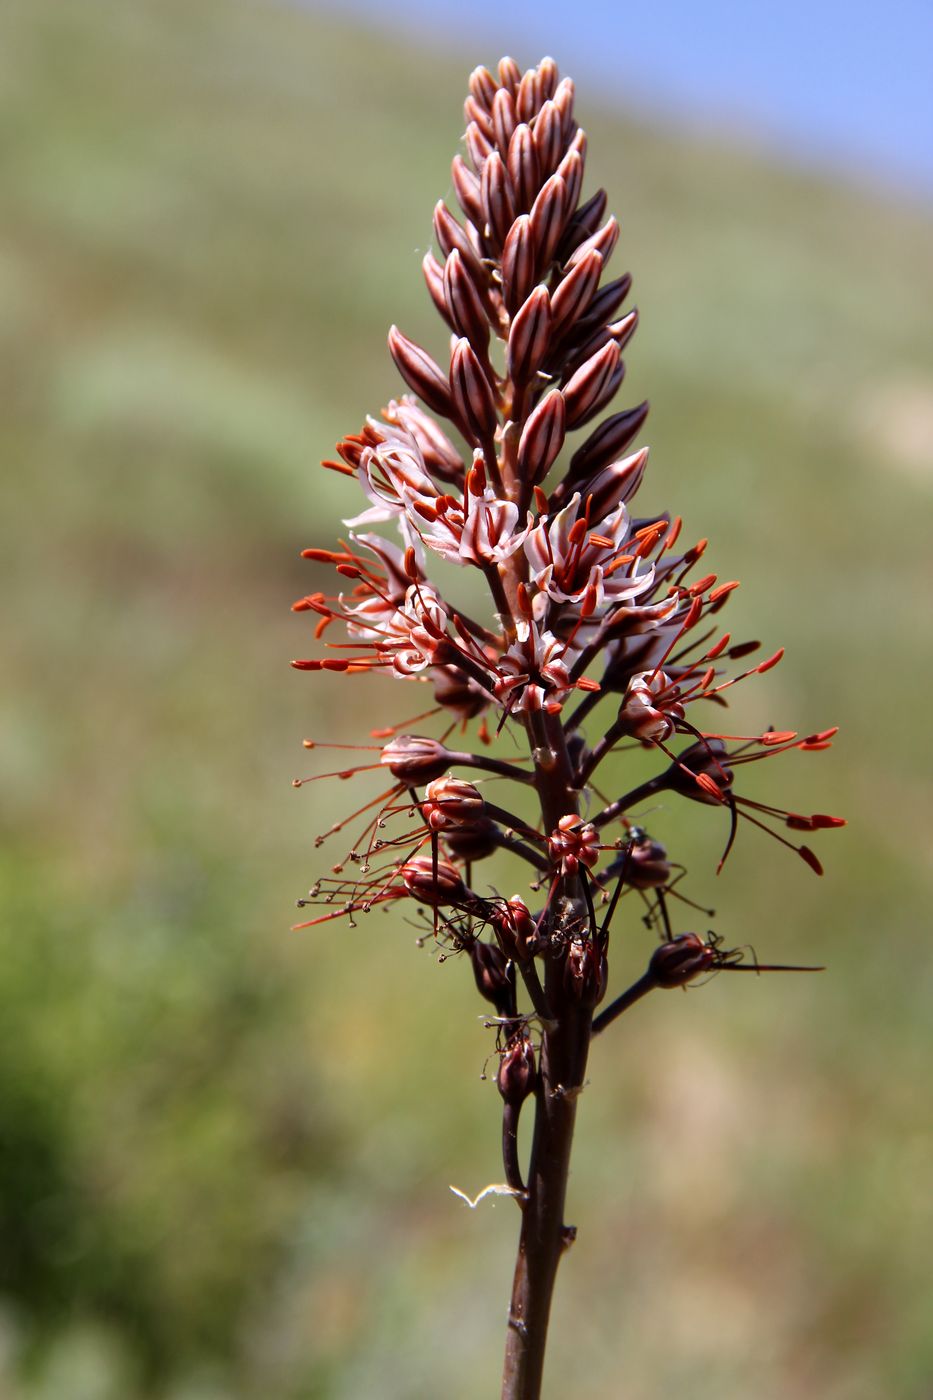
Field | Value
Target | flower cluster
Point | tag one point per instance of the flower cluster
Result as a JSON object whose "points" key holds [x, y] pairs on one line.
{"points": [[501, 460]]}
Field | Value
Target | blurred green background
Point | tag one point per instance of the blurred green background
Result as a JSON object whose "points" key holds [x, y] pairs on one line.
{"points": [[225, 1148]]}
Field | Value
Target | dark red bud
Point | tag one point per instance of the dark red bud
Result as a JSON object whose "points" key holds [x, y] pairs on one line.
{"points": [[422, 374], [471, 393], [542, 438], [517, 1074], [548, 215], [529, 336], [518, 264], [522, 165], [675, 963]]}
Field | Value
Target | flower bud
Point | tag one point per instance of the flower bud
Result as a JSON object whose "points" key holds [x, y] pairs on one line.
{"points": [[414, 759], [603, 240], [518, 264], [473, 840], [504, 120], [422, 374], [529, 336], [548, 216], [549, 138], [572, 298], [542, 438], [585, 972], [497, 201], [675, 963], [517, 1074], [451, 802], [467, 187], [430, 884], [494, 975], [515, 928], [464, 304], [593, 384], [606, 442], [471, 393]]}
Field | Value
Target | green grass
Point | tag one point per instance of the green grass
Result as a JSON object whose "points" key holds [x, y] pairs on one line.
{"points": [[226, 1148]]}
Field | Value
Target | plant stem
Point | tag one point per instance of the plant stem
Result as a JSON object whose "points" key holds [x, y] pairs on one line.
{"points": [[544, 1235], [562, 1066]]}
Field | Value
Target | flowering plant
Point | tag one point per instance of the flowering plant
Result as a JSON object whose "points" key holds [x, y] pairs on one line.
{"points": [[593, 609]]}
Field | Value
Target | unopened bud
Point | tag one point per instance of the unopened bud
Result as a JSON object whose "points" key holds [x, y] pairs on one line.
{"points": [[585, 972], [464, 303], [473, 840], [451, 802], [414, 759], [549, 138], [542, 438], [675, 963], [529, 336], [606, 442], [422, 374], [518, 264], [548, 216], [572, 298], [471, 393], [517, 1073], [494, 975], [515, 928], [434, 883], [593, 384], [496, 196]]}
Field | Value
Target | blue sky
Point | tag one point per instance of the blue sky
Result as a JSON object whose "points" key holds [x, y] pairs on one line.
{"points": [[844, 85]]}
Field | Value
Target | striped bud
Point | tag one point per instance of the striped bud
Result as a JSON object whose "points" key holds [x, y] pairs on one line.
{"points": [[522, 165], [613, 484], [547, 78], [510, 75], [585, 222], [518, 264], [542, 438], [504, 120], [483, 86], [528, 98], [450, 802], [471, 393], [422, 374], [603, 240], [450, 235], [473, 842], [433, 883], [474, 111], [414, 759], [549, 140], [465, 306], [619, 331], [466, 185], [606, 442], [434, 278], [572, 165], [605, 304], [548, 215], [529, 336], [478, 147], [496, 196], [572, 298], [563, 101], [592, 386]]}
